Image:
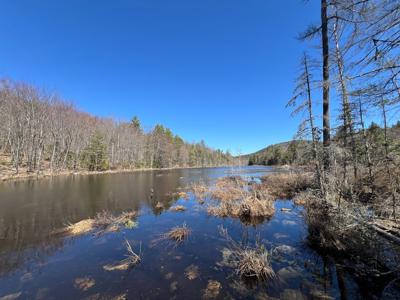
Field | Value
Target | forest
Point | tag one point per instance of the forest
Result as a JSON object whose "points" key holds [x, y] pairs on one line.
{"points": [[40, 131], [359, 69]]}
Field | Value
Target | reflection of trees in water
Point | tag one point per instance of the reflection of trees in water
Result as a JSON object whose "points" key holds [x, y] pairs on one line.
{"points": [[16, 257], [31, 211]]}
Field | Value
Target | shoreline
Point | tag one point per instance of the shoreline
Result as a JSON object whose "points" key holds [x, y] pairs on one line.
{"points": [[47, 174]]}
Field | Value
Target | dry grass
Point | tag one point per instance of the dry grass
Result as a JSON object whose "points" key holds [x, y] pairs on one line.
{"points": [[234, 198], [178, 208], [286, 185], [200, 191], [131, 260], [229, 189], [249, 262], [104, 222], [254, 263], [183, 195], [178, 234]]}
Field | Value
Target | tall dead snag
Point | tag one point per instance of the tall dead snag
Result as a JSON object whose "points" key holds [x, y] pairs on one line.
{"points": [[387, 158], [303, 90], [348, 126], [326, 84], [365, 142]]}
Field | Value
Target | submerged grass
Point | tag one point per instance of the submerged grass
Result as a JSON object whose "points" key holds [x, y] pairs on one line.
{"points": [[131, 260]]}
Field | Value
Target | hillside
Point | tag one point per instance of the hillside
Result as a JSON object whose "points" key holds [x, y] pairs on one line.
{"points": [[279, 154]]}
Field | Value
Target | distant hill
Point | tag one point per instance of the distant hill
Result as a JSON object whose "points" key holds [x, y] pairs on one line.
{"points": [[280, 154], [299, 151]]}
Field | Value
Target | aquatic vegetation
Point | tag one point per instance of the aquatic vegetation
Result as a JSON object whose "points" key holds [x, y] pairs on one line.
{"points": [[212, 290], [249, 262], [103, 222], [178, 208], [183, 195], [178, 234], [131, 260], [192, 272], [286, 185], [200, 191], [236, 199], [130, 224], [84, 283]]}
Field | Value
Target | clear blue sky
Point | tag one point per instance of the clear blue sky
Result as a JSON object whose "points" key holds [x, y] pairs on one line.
{"points": [[218, 70]]}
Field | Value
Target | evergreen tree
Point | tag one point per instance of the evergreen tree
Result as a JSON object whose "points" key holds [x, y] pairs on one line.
{"points": [[95, 154]]}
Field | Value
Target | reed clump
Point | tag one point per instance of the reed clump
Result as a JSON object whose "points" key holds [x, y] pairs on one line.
{"points": [[235, 198], [178, 234], [286, 185], [249, 262], [200, 191], [178, 208], [103, 222]]}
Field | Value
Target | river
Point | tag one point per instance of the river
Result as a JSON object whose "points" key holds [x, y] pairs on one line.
{"points": [[35, 263]]}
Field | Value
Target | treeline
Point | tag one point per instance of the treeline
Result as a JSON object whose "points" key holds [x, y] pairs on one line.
{"points": [[289, 153], [41, 131], [357, 69], [299, 152]]}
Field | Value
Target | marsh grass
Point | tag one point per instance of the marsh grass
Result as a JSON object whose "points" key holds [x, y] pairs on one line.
{"points": [[235, 198], [286, 185], [200, 191], [178, 208], [103, 222], [176, 235], [249, 262]]}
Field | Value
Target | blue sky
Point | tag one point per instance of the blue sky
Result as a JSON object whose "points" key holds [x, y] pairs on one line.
{"points": [[218, 70]]}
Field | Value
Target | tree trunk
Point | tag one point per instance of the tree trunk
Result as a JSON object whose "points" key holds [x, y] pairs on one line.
{"points": [[325, 88]]}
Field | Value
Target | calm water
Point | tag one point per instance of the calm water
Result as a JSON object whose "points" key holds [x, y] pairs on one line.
{"points": [[37, 264]]}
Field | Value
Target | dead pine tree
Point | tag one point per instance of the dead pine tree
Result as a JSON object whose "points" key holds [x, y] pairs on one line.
{"points": [[326, 85], [348, 126], [303, 92], [387, 159]]}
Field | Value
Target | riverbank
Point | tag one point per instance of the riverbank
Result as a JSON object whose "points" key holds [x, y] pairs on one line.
{"points": [[12, 176]]}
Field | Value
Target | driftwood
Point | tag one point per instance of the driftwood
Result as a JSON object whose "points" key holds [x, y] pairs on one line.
{"points": [[389, 231]]}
